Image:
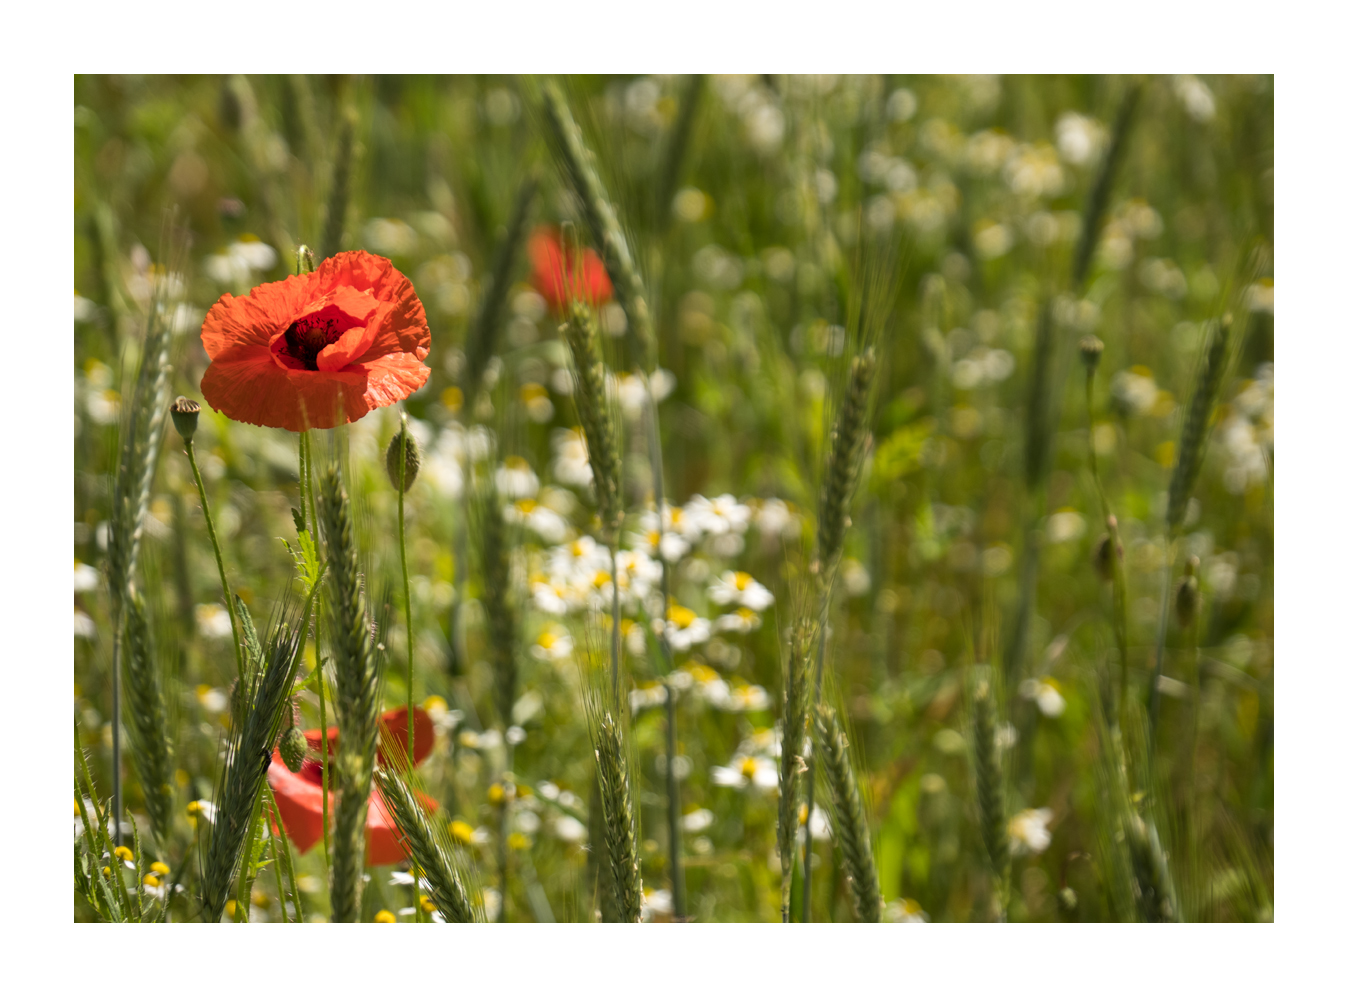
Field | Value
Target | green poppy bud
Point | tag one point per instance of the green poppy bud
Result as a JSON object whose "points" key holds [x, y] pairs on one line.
{"points": [[394, 456], [294, 748], [185, 413]]}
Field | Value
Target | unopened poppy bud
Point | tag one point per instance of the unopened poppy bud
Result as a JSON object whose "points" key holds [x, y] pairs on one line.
{"points": [[185, 413], [294, 749], [1186, 596], [394, 457], [1090, 348], [304, 260]]}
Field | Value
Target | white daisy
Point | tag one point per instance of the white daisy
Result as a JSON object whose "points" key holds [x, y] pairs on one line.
{"points": [[741, 588], [515, 479], [1028, 831]]}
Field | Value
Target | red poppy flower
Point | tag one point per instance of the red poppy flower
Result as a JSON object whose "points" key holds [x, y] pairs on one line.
{"points": [[299, 795], [319, 349], [556, 271]]}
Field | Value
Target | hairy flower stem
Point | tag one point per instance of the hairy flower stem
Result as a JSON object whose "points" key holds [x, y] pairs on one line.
{"points": [[219, 558], [307, 486], [1119, 608], [116, 736], [672, 803], [807, 878], [407, 606]]}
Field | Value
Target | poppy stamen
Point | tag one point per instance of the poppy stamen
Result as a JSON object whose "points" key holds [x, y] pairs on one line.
{"points": [[308, 336]]}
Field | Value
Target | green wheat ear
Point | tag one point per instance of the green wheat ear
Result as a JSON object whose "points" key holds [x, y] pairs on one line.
{"points": [[494, 549], [433, 852], [988, 783], [615, 790], [796, 685], [602, 221], [357, 699], [249, 755], [485, 334], [147, 719], [849, 815]]}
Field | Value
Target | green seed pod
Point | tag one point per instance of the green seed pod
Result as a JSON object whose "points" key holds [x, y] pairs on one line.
{"points": [[1090, 348], [185, 413], [294, 748], [392, 458]]}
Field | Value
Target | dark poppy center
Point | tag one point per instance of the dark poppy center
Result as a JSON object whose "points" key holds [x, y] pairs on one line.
{"points": [[307, 337]]}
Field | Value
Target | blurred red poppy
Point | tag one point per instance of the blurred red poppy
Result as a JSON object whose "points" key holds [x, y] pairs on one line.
{"points": [[556, 271], [299, 795], [317, 350]]}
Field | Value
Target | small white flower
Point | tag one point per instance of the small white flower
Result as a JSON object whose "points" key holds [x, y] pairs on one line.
{"points": [[647, 695], [655, 902], [741, 621], [1081, 139], [1046, 696], [84, 626], [773, 517], [739, 698], [553, 644], [571, 464], [740, 587], [86, 577], [569, 829], [904, 911], [723, 514], [819, 825], [855, 578], [698, 820], [1028, 831], [515, 479], [213, 620], [745, 771], [545, 522], [1065, 526], [684, 628]]}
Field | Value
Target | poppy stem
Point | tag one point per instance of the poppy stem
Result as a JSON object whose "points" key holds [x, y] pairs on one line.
{"points": [[407, 604], [307, 485], [219, 559]]}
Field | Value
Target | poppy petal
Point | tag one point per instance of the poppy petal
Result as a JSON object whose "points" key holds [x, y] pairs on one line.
{"points": [[258, 390]]}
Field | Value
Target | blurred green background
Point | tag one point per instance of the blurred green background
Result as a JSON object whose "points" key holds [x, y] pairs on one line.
{"points": [[751, 203]]}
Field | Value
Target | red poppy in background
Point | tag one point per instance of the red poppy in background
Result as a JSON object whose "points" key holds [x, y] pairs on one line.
{"points": [[317, 350], [556, 271], [299, 795]]}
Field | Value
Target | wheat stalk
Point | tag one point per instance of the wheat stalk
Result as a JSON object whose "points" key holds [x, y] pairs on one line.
{"points": [[339, 194], [595, 414], [1104, 182], [496, 602], [249, 755], [988, 784], [615, 792], [848, 443], [485, 333], [356, 701], [429, 845], [602, 221], [147, 720], [795, 712], [849, 815]]}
